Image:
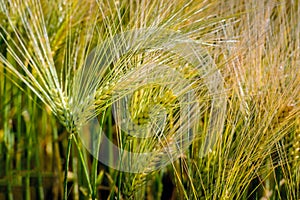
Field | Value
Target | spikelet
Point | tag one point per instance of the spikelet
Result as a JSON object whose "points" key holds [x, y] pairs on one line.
{"points": [[103, 95], [145, 98], [133, 183], [281, 116]]}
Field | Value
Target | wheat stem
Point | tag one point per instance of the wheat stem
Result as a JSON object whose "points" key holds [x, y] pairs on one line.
{"points": [[65, 197]]}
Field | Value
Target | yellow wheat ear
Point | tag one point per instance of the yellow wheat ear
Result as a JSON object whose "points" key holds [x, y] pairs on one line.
{"points": [[142, 73]]}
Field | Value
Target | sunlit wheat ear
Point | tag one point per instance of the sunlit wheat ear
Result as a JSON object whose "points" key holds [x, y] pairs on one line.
{"points": [[26, 35], [152, 96], [32, 54]]}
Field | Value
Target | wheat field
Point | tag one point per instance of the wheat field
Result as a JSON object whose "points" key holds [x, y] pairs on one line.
{"points": [[149, 99]]}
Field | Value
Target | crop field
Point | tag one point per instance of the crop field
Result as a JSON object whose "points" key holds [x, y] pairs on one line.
{"points": [[150, 99]]}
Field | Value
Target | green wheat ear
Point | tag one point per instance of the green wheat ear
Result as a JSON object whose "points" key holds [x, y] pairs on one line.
{"points": [[37, 49], [42, 57]]}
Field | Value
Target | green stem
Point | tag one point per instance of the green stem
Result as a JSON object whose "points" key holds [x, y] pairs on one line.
{"points": [[37, 155], [94, 177], [57, 167], [29, 132], [83, 165], [9, 187], [7, 134], [96, 161], [67, 167], [75, 175], [19, 137]]}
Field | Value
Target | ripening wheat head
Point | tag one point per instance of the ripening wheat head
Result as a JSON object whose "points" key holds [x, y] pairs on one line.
{"points": [[70, 57], [41, 44]]}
